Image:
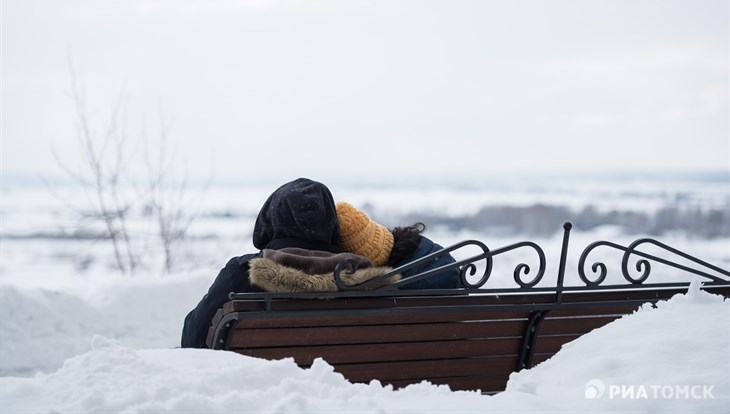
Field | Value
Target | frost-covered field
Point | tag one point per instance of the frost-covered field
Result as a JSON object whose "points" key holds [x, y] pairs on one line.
{"points": [[77, 336]]}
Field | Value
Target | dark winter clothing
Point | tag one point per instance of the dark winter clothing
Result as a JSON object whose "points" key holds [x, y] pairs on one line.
{"points": [[236, 277], [232, 278], [313, 261], [447, 280], [298, 214], [275, 277], [302, 209]]}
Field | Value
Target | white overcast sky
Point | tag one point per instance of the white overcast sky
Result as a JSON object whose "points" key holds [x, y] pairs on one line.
{"points": [[279, 89]]}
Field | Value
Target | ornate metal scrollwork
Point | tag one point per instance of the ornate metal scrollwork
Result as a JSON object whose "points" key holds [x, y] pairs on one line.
{"points": [[466, 267], [350, 266], [597, 267], [522, 268], [469, 265], [642, 265]]}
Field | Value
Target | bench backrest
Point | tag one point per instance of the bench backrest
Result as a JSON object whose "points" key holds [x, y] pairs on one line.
{"points": [[469, 339], [469, 342]]}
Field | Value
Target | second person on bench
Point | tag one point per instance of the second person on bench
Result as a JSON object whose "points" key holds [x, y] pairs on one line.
{"points": [[394, 248]]}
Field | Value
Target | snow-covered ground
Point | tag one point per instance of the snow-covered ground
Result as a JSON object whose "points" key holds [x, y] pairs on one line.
{"points": [[673, 359], [76, 336]]}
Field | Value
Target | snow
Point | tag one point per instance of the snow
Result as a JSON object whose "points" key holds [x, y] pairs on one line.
{"points": [[77, 337], [41, 328], [681, 345]]}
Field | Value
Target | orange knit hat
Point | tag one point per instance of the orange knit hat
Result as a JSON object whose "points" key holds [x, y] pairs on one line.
{"points": [[360, 235]]}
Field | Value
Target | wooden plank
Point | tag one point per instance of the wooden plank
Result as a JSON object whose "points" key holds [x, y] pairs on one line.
{"points": [[539, 358], [648, 294], [592, 311], [368, 334], [384, 302], [410, 351], [218, 316], [397, 371], [380, 302], [288, 337], [209, 337], [573, 326], [552, 344], [381, 319]]}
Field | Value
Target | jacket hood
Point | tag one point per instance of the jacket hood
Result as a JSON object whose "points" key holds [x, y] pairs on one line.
{"points": [[301, 209], [274, 277], [313, 262]]}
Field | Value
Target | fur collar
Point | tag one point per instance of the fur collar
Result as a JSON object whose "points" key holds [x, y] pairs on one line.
{"points": [[274, 277]]}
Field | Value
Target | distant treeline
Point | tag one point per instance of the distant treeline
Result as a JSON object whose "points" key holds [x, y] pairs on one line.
{"points": [[533, 220], [544, 220]]}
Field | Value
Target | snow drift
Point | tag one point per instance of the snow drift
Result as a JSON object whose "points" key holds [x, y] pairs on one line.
{"points": [[676, 353]]}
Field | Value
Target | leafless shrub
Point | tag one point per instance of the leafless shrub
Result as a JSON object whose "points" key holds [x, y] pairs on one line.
{"points": [[113, 191]]}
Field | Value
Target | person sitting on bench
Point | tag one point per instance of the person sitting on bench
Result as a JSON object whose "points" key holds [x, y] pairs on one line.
{"points": [[400, 246], [299, 238]]}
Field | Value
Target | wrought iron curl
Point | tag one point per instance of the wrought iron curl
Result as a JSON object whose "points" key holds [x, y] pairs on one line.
{"points": [[471, 268], [467, 267], [350, 267], [523, 269], [642, 265], [520, 270], [597, 267], [631, 249]]}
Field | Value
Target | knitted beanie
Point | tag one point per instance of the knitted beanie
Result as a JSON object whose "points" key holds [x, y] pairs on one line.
{"points": [[362, 236], [301, 209]]}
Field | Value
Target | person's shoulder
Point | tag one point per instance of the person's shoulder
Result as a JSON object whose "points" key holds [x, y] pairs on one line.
{"points": [[425, 246], [243, 260], [428, 245]]}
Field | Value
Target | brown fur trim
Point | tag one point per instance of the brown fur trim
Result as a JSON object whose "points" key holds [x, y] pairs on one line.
{"points": [[273, 277]]}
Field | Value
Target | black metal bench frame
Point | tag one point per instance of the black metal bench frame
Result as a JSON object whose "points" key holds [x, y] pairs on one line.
{"points": [[595, 298]]}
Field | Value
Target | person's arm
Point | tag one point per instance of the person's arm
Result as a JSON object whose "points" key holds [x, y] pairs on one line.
{"points": [[232, 278], [449, 279]]}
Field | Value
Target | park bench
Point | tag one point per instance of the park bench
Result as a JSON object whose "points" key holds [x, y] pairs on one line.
{"points": [[469, 339]]}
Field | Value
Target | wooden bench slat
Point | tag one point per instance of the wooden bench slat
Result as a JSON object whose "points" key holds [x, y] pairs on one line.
{"points": [[538, 358], [308, 336], [210, 336], [570, 326], [392, 371], [369, 334], [383, 302], [218, 316], [409, 351], [553, 343], [592, 311], [592, 297], [393, 317], [376, 302]]}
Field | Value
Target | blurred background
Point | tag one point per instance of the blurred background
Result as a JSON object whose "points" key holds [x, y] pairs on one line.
{"points": [[162, 121], [135, 118], [383, 91]]}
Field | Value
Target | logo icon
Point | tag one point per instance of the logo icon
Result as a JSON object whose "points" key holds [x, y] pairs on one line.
{"points": [[594, 389]]}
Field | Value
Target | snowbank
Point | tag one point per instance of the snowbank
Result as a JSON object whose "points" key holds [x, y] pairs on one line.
{"points": [[40, 328], [677, 353]]}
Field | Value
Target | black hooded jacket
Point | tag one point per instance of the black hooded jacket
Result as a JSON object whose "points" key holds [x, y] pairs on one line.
{"points": [[301, 214]]}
